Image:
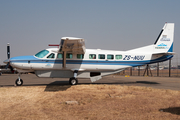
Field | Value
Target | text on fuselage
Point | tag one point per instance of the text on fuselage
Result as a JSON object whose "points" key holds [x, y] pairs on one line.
{"points": [[136, 57]]}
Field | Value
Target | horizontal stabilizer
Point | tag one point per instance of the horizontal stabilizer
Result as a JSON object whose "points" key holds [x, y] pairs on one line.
{"points": [[164, 53]]}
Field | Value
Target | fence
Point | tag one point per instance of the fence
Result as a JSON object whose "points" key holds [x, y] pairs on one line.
{"points": [[169, 68]]}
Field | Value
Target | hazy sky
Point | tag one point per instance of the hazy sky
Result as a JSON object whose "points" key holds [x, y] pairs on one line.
{"points": [[30, 25]]}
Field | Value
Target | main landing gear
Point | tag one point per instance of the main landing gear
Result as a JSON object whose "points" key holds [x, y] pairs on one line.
{"points": [[73, 80], [19, 81]]}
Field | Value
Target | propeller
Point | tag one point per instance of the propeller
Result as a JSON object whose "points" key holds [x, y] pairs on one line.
{"points": [[8, 51], [8, 56]]}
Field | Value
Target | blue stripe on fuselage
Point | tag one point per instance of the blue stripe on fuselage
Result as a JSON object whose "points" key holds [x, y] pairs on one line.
{"points": [[32, 59]]}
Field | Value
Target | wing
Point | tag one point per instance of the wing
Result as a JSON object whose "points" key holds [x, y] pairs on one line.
{"points": [[73, 45]]}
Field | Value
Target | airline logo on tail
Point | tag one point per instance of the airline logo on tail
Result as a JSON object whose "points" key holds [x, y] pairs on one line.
{"points": [[162, 46]]}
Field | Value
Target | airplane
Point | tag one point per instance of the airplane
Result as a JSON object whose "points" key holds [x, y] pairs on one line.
{"points": [[72, 60]]}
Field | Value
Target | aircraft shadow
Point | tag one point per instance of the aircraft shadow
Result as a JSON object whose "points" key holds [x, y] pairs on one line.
{"points": [[147, 82], [137, 82], [172, 110], [57, 86], [64, 85], [52, 87]]}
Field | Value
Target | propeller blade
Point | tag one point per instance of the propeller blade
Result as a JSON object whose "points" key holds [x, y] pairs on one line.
{"points": [[7, 65], [8, 51], [8, 56]]}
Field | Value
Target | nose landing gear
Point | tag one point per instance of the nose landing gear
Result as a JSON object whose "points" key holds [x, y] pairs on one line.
{"points": [[19, 81]]}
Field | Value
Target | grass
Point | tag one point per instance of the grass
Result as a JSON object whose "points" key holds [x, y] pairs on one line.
{"points": [[106, 102]]}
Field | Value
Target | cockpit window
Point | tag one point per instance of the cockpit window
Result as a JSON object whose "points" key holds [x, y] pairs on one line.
{"points": [[51, 55], [42, 53]]}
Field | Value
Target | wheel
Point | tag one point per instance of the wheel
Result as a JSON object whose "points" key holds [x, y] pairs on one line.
{"points": [[0, 73], [73, 81], [19, 82]]}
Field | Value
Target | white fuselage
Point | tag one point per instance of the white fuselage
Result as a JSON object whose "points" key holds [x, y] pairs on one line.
{"points": [[93, 60]]}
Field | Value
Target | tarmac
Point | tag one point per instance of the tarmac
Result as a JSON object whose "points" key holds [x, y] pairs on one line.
{"points": [[173, 83]]}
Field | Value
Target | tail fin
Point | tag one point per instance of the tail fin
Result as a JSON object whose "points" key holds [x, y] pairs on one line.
{"points": [[164, 42]]}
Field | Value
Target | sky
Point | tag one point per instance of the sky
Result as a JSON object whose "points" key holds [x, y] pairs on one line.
{"points": [[30, 25]]}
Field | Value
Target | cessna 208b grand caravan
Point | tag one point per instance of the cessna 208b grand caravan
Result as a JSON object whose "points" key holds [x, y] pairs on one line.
{"points": [[72, 60]]}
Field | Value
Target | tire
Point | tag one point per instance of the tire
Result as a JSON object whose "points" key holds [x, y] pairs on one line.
{"points": [[0, 73], [19, 83], [73, 81]]}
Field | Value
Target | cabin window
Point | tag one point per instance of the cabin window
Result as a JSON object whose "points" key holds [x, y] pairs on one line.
{"points": [[69, 55], [92, 56], [60, 55], [110, 56], [51, 55], [80, 56], [101, 56], [42, 53], [118, 57]]}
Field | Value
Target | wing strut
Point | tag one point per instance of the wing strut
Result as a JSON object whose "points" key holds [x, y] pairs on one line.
{"points": [[64, 59], [64, 53]]}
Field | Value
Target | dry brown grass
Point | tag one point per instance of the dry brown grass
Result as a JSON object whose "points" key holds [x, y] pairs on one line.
{"points": [[106, 102]]}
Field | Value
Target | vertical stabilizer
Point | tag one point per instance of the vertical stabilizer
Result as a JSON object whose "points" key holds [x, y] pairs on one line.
{"points": [[164, 42]]}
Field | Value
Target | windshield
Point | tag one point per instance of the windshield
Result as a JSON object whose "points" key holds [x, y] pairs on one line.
{"points": [[42, 53]]}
